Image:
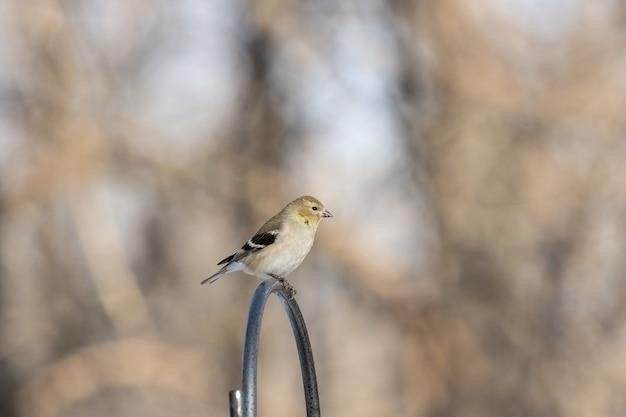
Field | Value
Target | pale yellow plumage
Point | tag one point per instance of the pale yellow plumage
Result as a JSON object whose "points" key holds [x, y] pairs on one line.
{"points": [[280, 245]]}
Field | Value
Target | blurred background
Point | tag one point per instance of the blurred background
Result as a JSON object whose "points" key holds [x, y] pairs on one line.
{"points": [[473, 154]]}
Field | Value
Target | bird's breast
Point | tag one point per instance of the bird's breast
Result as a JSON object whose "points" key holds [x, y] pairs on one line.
{"points": [[286, 254]]}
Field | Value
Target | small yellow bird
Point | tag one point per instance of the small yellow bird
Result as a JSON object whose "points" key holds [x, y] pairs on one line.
{"points": [[280, 245]]}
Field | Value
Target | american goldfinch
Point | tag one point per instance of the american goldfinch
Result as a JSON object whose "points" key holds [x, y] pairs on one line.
{"points": [[280, 245]]}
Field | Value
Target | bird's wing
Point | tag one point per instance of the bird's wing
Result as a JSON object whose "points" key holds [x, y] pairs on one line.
{"points": [[265, 236]]}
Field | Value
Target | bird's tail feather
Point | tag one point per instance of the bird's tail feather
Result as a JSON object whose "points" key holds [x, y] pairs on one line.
{"points": [[229, 267], [211, 279]]}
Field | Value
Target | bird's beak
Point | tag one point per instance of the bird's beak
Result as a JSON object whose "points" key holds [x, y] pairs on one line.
{"points": [[326, 213]]}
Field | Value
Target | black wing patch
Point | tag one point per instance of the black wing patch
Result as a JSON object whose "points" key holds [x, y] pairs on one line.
{"points": [[227, 259], [259, 241], [256, 243]]}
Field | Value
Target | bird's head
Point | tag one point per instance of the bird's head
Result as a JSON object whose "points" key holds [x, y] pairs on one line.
{"points": [[309, 210]]}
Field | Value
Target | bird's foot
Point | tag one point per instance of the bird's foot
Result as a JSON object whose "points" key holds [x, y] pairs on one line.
{"points": [[289, 289]]}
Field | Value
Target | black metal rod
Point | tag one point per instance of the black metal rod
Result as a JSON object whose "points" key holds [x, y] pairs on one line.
{"points": [[307, 366], [251, 350]]}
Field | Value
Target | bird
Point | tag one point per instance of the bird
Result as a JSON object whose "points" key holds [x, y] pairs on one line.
{"points": [[280, 245]]}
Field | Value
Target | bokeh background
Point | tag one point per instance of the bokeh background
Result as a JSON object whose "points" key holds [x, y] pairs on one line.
{"points": [[473, 154]]}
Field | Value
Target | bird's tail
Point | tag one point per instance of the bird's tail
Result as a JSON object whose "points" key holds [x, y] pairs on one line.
{"points": [[229, 267], [211, 279]]}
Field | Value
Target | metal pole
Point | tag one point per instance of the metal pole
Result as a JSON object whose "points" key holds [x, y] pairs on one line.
{"points": [[307, 366], [248, 399]]}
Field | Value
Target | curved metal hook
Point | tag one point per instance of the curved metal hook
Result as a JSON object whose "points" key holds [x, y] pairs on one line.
{"points": [[244, 403]]}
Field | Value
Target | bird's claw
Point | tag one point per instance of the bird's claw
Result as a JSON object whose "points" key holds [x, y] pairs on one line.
{"points": [[289, 289]]}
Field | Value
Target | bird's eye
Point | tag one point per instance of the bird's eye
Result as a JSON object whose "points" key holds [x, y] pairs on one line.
{"points": [[315, 208]]}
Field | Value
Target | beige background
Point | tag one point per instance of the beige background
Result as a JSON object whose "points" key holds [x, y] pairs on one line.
{"points": [[473, 154]]}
